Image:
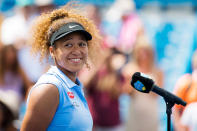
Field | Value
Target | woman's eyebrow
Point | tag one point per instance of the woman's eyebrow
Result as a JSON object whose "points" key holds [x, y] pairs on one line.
{"points": [[68, 38]]}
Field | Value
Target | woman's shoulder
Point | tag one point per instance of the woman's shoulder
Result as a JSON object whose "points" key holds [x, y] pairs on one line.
{"points": [[45, 89], [42, 100], [48, 78], [46, 83]]}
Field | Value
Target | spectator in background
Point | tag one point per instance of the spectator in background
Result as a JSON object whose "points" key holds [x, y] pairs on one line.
{"points": [[12, 77], [86, 74], [143, 115], [9, 106], [104, 90], [118, 31], [131, 29], [186, 89], [93, 13], [44, 6], [131, 26], [15, 29]]}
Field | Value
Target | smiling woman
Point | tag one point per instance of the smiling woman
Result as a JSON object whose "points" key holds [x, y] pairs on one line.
{"points": [[70, 52], [57, 101]]}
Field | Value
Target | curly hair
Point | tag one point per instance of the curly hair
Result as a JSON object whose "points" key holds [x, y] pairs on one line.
{"points": [[46, 24]]}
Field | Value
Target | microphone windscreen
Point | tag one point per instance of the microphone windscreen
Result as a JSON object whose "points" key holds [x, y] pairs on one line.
{"points": [[141, 82]]}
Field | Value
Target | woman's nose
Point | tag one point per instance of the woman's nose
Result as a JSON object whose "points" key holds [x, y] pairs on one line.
{"points": [[76, 50]]}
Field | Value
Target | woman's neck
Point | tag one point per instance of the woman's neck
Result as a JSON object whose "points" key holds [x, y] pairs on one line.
{"points": [[72, 76]]}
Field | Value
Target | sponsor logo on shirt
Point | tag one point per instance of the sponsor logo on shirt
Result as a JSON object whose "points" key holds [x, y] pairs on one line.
{"points": [[71, 95], [75, 104]]}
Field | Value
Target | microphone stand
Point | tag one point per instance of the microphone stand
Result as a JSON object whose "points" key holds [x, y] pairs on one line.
{"points": [[169, 105]]}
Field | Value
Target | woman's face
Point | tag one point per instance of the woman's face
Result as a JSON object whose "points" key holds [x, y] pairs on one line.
{"points": [[144, 56], [71, 52]]}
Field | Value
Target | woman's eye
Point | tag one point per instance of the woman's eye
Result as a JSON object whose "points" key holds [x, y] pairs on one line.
{"points": [[68, 45], [82, 44]]}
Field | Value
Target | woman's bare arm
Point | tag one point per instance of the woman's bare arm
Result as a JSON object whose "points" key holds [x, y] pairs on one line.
{"points": [[42, 106]]}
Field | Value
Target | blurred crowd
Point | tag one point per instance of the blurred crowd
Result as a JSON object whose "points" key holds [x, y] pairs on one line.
{"points": [[126, 49]]}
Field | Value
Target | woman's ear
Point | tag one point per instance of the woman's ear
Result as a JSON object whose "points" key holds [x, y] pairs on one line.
{"points": [[51, 50]]}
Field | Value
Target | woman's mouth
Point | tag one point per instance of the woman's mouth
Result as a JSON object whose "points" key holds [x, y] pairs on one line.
{"points": [[75, 60]]}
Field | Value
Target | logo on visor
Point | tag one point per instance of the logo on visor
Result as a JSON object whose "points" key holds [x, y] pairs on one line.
{"points": [[71, 95], [72, 26]]}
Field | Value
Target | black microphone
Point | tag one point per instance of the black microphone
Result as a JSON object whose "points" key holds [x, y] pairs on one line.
{"points": [[145, 84]]}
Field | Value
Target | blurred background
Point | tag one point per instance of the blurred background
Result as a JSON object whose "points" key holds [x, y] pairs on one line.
{"points": [[157, 37]]}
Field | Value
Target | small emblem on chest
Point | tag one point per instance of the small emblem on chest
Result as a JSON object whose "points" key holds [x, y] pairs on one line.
{"points": [[75, 104], [71, 95]]}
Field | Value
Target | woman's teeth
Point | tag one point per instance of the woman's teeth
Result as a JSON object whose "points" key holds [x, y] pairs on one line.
{"points": [[75, 60]]}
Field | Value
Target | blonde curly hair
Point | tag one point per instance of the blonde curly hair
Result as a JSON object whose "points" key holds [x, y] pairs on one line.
{"points": [[46, 24]]}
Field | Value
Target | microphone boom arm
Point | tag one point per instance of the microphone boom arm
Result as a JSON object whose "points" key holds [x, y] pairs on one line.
{"points": [[169, 97]]}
